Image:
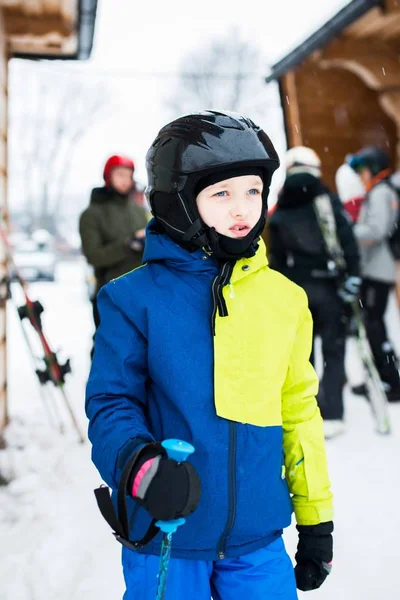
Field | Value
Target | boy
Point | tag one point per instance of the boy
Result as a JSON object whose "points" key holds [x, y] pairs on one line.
{"points": [[204, 343]]}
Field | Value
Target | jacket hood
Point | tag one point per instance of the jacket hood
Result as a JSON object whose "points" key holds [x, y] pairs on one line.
{"points": [[300, 189], [161, 248], [104, 194]]}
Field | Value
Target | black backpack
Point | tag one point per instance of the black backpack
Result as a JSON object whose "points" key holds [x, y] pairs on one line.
{"points": [[394, 238]]}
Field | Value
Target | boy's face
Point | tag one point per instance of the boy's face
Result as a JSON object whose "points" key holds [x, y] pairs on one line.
{"points": [[121, 179], [233, 206]]}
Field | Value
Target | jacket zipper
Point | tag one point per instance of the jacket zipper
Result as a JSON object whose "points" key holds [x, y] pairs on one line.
{"points": [[231, 489], [218, 284], [222, 279]]}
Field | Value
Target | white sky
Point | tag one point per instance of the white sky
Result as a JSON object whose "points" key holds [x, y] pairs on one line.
{"points": [[134, 38]]}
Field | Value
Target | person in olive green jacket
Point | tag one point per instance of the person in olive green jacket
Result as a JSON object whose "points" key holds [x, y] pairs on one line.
{"points": [[112, 228]]}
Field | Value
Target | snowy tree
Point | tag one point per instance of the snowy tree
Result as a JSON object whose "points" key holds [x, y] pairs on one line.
{"points": [[44, 133], [227, 73]]}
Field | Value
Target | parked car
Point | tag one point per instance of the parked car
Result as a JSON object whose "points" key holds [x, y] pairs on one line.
{"points": [[35, 261]]}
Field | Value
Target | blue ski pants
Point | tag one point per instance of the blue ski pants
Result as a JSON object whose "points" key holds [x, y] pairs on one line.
{"points": [[266, 574]]}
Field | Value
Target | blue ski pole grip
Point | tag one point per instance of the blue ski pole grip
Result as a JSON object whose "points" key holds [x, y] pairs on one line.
{"points": [[179, 451]]}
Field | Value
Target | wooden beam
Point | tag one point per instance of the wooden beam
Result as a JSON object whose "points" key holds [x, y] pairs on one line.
{"points": [[358, 28], [31, 7], [53, 44], [375, 24], [291, 109], [17, 24], [3, 213], [374, 62], [69, 10], [51, 6], [391, 31], [392, 6], [390, 102]]}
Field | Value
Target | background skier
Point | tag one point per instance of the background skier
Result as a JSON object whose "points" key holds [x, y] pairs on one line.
{"points": [[350, 190], [112, 229], [297, 249], [375, 225]]}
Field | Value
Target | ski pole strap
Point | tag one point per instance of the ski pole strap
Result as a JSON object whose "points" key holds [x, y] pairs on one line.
{"points": [[106, 507], [120, 523]]}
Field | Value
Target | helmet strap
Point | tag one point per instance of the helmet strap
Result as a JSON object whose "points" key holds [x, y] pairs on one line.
{"points": [[196, 234]]}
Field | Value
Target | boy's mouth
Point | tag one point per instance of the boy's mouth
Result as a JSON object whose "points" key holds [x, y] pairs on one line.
{"points": [[240, 229]]}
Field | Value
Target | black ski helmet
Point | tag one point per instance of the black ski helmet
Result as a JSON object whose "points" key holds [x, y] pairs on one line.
{"points": [[371, 157], [195, 146]]}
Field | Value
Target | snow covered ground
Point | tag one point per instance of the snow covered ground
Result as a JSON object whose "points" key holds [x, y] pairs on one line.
{"points": [[55, 545]]}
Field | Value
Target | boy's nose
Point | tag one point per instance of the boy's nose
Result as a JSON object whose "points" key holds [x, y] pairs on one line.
{"points": [[239, 208]]}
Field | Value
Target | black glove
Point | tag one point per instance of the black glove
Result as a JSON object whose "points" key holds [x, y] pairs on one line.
{"points": [[314, 555], [165, 488], [135, 244], [349, 290]]}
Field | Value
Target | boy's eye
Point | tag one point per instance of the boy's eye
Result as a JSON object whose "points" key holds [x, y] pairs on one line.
{"points": [[254, 192], [221, 194]]}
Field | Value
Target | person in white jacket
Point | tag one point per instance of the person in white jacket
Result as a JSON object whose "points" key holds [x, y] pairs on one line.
{"points": [[376, 223], [350, 190]]}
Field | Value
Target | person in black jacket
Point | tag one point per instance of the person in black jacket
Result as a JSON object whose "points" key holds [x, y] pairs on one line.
{"points": [[297, 249]]}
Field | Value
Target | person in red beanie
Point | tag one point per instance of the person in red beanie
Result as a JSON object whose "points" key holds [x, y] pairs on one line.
{"points": [[112, 228]]}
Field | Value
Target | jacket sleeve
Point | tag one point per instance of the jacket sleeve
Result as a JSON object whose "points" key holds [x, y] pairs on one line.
{"points": [[275, 247], [303, 437], [97, 253], [380, 216], [347, 238], [116, 391]]}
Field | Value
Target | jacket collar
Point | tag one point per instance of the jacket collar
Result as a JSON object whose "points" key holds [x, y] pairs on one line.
{"points": [[247, 266], [161, 248], [103, 195]]}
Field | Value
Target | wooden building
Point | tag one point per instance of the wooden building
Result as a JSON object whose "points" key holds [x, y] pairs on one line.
{"points": [[33, 29], [340, 89]]}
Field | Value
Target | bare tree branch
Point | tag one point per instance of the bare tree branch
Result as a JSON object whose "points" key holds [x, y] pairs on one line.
{"points": [[222, 75], [62, 110]]}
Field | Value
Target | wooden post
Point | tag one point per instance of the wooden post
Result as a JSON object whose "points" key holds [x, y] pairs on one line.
{"points": [[392, 5], [390, 102], [291, 109], [3, 209]]}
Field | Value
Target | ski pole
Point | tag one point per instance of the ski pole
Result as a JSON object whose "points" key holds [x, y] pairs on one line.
{"points": [[54, 371], [41, 390], [375, 392], [179, 451]]}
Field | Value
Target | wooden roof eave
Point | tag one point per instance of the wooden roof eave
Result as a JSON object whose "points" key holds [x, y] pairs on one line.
{"points": [[378, 69], [64, 29], [334, 27]]}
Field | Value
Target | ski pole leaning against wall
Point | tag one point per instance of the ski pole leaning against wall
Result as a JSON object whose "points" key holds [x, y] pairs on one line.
{"points": [[52, 371]]}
